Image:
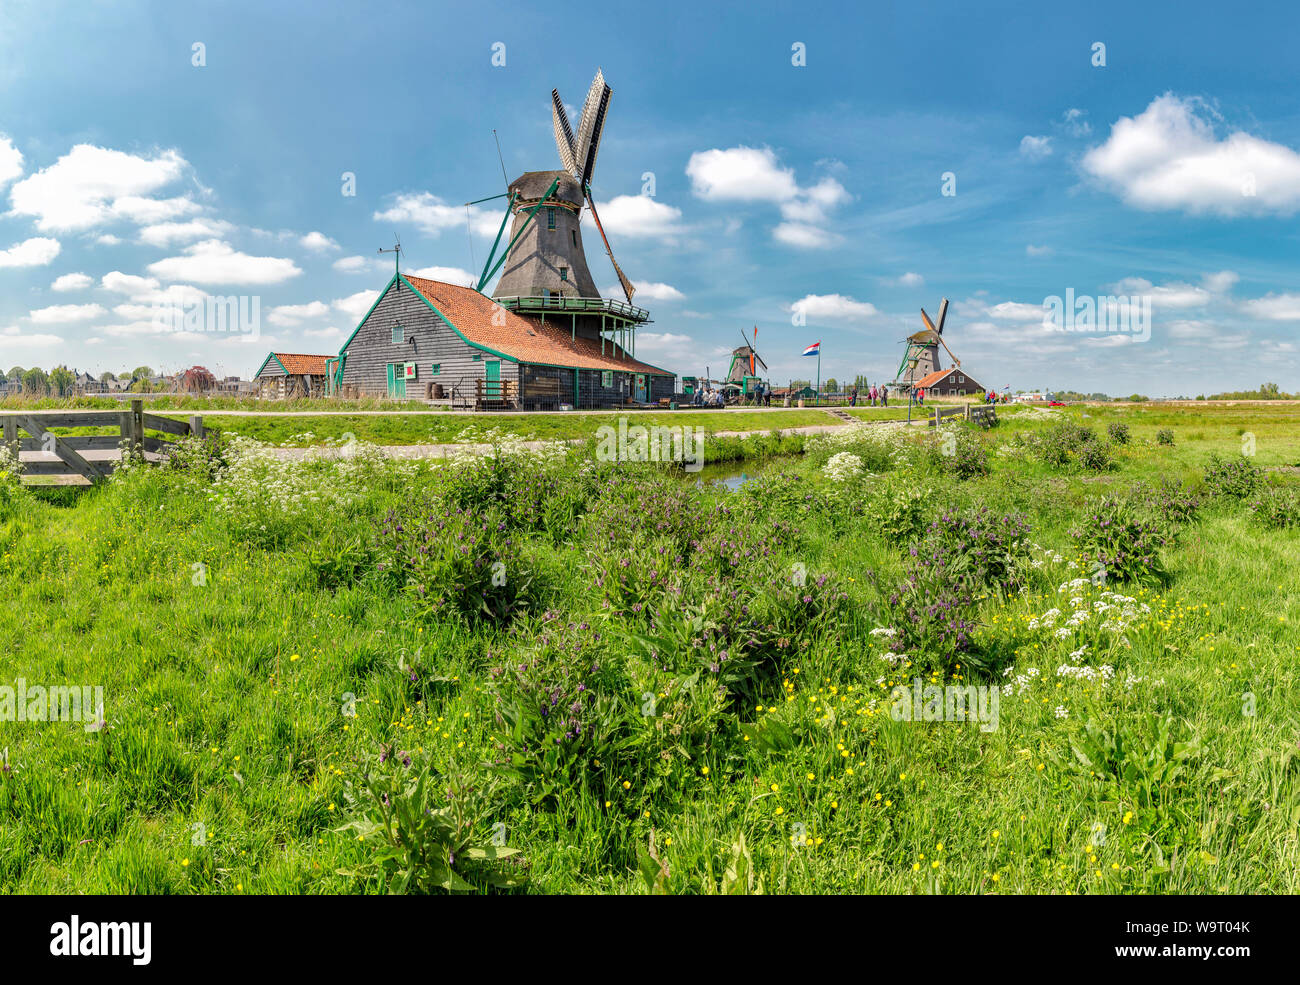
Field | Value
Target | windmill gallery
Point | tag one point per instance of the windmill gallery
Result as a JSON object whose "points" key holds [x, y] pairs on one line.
{"points": [[544, 338]]}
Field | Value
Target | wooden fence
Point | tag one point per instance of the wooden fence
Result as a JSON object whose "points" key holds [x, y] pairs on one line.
{"points": [[80, 460]]}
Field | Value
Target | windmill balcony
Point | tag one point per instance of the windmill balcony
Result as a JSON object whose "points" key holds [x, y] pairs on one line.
{"points": [[562, 302]]}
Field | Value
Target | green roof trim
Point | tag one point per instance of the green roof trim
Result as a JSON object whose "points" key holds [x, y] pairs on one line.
{"points": [[268, 358]]}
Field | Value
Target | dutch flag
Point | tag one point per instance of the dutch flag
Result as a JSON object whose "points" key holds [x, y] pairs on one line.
{"points": [[813, 349]]}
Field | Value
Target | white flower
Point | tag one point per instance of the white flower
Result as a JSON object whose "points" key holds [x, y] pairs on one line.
{"points": [[1062, 711]]}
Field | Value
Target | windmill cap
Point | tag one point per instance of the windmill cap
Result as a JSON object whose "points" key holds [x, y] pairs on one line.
{"points": [[532, 185]]}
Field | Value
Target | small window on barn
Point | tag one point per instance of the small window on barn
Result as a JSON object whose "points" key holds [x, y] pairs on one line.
{"points": [[435, 369], [399, 334], [564, 273], [607, 378], [477, 357], [550, 217]]}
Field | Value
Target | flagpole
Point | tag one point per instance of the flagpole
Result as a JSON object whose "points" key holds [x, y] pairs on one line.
{"points": [[819, 374]]}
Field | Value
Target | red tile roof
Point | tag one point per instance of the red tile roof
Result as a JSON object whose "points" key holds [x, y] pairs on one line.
{"points": [[299, 364], [931, 379], [482, 321]]}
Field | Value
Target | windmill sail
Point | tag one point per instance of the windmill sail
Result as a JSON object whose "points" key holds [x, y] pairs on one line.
{"points": [[563, 133], [628, 289], [590, 126]]}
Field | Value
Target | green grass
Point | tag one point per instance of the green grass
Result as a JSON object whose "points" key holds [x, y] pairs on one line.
{"points": [[226, 685]]}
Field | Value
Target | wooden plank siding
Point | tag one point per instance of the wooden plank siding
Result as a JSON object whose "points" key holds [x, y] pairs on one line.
{"points": [[371, 349]]}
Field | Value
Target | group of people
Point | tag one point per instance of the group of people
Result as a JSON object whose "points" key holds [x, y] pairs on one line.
{"points": [[707, 397], [874, 393]]}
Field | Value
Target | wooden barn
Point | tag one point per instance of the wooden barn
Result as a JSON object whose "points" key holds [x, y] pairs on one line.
{"points": [[430, 340], [287, 375], [951, 382]]}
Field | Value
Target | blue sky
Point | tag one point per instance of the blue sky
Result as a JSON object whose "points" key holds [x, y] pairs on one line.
{"points": [[782, 193]]}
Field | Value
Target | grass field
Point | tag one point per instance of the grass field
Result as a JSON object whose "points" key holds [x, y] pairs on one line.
{"points": [[558, 674]]}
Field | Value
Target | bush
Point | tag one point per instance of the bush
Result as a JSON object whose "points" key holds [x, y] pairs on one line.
{"points": [[1235, 478], [1118, 543], [1276, 507], [1117, 431], [1165, 436], [1172, 503], [1067, 445], [897, 507], [962, 453]]}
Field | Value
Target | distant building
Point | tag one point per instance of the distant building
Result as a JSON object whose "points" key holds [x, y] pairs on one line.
{"points": [[290, 375], [951, 382]]}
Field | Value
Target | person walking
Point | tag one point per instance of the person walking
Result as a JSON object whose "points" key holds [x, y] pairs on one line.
{"points": [[920, 395], [853, 397], [884, 396]]}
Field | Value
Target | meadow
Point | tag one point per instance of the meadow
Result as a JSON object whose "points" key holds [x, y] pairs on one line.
{"points": [[540, 672]]}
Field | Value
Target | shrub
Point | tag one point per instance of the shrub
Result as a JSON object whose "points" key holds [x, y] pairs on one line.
{"points": [[1235, 478], [984, 548], [1172, 503], [1277, 507], [1118, 543], [1068, 445], [962, 453], [1117, 431], [1165, 436], [897, 507]]}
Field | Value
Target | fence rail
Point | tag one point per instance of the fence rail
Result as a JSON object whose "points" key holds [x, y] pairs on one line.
{"points": [[85, 459]]}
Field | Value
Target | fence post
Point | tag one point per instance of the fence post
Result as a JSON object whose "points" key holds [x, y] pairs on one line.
{"points": [[936, 416], [967, 406], [196, 426], [137, 426], [11, 437]]}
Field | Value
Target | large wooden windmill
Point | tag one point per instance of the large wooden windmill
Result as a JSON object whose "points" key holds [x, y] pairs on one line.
{"points": [[921, 357], [544, 270]]}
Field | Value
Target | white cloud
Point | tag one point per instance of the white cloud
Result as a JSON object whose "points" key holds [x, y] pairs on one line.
{"points": [[803, 236], [129, 284], [749, 174], [833, 308], [317, 243], [448, 275], [72, 282], [11, 161], [292, 314], [1175, 295], [1275, 307], [357, 304], [639, 217], [168, 233], [1035, 148], [648, 291], [30, 253], [1038, 251], [740, 174], [909, 279], [431, 215], [1191, 329], [1169, 157], [1017, 311], [58, 313], [353, 265], [108, 239], [91, 185], [215, 262], [1220, 283], [1074, 123]]}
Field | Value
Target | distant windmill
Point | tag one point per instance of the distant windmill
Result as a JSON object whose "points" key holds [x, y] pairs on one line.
{"points": [[921, 357]]}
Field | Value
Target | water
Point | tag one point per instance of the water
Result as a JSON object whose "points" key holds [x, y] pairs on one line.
{"points": [[727, 477]]}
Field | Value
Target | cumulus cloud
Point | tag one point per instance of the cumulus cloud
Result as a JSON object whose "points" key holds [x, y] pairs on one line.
{"points": [[1073, 122], [833, 308], [215, 262], [11, 161], [909, 279], [129, 284], [639, 217], [166, 234], [1035, 148], [323, 333], [1175, 295], [448, 275], [431, 215], [293, 314], [317, 243], [1275, 307], [1169, 157], [59, 313], [90, 186], [754, 174], [648, 291], [1038, 251], [353, 265], [30, 253], [72, 282], [357, 304]]}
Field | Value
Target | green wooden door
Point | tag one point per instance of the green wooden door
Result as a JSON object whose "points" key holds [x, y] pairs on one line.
{"points": [[396, 380], [493, 388]]}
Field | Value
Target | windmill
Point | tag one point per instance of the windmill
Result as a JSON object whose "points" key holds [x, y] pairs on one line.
{"points": [[745, 362], [921, 357], [578, 154]]}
